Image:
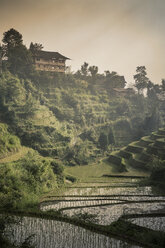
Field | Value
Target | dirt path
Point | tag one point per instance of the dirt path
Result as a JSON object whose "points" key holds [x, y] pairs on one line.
{"points": [[16, 156]]}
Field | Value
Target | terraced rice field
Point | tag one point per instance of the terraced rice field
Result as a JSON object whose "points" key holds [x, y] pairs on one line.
{"points": [[108, 203], [138, 154], [109, 197]]}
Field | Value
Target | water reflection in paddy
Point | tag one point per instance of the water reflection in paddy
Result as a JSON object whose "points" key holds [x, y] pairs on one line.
{"points": [[57, 234], [156, 223], [107, 214], [109, 190], [116, 197]]}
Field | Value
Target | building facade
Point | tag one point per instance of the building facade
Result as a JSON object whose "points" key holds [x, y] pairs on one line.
{"points": [[50, 61]]}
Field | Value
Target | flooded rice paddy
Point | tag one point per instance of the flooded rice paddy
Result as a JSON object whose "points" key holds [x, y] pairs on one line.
{"points": [[156, 223], [107, 201], [57, 234]]}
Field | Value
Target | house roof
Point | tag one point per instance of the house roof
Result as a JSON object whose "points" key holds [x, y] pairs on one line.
{"points": [[120, 90], [50, 55], [123, 90]]}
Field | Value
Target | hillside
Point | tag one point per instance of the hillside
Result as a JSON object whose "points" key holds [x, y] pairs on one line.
{"points": [[24, 173], [73, 119], [62, 134]]}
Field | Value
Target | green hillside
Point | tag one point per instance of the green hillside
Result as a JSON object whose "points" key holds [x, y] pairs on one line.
{"points": [[73, 119], [24, 173]]}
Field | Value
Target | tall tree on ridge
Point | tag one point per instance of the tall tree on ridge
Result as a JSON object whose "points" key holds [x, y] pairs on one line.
{"points": [[93, 70], [19, 59], [84, 69], [141, 80], [35, 47]]}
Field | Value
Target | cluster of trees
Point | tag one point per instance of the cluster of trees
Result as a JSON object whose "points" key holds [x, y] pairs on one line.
{"points": [[18, 59], [143, 83], [15, 56], [87, 70]]}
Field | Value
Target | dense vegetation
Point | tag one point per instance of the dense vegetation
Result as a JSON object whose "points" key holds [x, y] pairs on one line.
{"points": [[23, 181]]}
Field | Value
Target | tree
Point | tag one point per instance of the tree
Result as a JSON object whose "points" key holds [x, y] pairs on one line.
{"points": [[113, 80], [57, 167], [19, 59], [111, 139], [163, 84], [84, 69], [150, 89], [93, 70], [1, 56], [103, 140], [107, 73], [35, 47], [141, 80], [12, 38]]}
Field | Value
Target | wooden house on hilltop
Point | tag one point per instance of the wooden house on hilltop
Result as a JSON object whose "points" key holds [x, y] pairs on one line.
{"points": [[49, 61], [123, 92]]}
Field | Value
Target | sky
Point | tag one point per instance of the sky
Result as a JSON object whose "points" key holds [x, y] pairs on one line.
{"points": [[115, 35]]}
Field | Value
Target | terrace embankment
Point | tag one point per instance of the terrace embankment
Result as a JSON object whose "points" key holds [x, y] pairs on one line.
{"points": [[139, 154]]}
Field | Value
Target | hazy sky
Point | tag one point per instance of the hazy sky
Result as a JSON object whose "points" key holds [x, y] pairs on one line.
{"points": [[115, 35]]}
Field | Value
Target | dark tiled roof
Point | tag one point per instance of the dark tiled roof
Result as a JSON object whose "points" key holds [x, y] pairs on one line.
{"points": [[50, 55], [123, 90], [120, 90]]}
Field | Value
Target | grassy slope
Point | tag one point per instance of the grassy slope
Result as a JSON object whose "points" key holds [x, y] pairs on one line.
{"points": [[10, 147], [95, 171], [8, 143]]}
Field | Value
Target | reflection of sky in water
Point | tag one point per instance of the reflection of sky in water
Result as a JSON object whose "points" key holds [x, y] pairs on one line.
{"points": [[56, 234], [109, 190], [156, 223], [107, 214], [96, 192]]}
